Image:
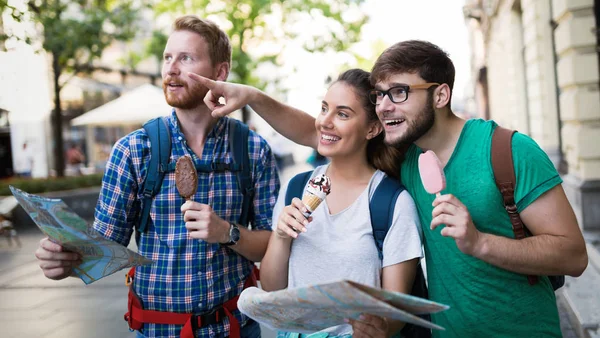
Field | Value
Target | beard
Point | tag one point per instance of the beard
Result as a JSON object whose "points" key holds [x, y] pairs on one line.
{"points": [[190, 98], [417, 127]]}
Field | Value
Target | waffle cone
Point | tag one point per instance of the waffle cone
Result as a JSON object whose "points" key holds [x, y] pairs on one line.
{"points": [[311, 201]]}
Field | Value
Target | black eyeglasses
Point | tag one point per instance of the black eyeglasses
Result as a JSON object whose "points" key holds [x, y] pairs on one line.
{"points": [[397, 94]]}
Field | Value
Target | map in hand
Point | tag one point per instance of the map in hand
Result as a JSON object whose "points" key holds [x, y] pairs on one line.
{"points": [[313, 308], [100, 257]]}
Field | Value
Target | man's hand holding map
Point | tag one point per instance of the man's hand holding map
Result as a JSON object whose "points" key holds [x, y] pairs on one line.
{"points": [[313, 308], [100, 257]]}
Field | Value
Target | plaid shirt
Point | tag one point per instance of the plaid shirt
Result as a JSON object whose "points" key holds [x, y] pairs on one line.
{"points": [[190, 275]]}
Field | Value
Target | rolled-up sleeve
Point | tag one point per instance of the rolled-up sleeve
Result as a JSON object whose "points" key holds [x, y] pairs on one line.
{"points": [[116, 209]]}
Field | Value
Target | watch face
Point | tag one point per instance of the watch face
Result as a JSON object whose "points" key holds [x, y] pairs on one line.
{"points": [[235, 233]]}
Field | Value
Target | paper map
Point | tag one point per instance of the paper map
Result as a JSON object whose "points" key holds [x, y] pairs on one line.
{"points": [[314, 308], [100, 256]]}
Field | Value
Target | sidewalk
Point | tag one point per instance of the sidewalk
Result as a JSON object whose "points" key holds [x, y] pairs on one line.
{"points": [[33, 306]]}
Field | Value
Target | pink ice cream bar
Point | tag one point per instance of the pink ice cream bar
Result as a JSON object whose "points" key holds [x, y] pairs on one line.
{"points": [[432, 173]]}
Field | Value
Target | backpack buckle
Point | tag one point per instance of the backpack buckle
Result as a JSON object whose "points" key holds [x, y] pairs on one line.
{"points": [[147, 192], [511, 208]]}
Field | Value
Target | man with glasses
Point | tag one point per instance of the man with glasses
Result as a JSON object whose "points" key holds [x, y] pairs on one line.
{"points": [[474, 264]]}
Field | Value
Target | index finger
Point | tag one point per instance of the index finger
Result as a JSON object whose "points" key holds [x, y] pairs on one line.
{"points": [[191, 205], [210, 84], [449, 198], [296, 202]]}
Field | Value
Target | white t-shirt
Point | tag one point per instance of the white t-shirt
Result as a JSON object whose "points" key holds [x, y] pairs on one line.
{"points": [[341, 246]]}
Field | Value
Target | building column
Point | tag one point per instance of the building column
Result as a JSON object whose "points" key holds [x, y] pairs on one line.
{"points": [[578, 81], [541, 77], [506, 68]]}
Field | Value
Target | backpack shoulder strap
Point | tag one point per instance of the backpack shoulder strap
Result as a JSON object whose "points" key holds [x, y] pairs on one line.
{"points": [[381, 209], [296, 186], [160, 151], [504, 174], [238, 144]]}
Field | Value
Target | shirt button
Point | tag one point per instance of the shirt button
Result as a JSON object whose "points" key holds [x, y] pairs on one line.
{"points": [[179, 138]]}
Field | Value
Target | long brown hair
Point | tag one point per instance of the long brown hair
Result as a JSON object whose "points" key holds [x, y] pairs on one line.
{"points": [[379, 155]]}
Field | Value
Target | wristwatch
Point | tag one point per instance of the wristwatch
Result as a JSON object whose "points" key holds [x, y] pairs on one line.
{"points": [[234, 234]]}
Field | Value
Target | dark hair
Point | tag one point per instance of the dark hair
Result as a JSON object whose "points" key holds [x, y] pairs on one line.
{"points": [[217, 40], [379, 155], [429, 61]]}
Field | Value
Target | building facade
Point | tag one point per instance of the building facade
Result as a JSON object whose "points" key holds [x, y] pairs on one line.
{"points": [[536, 69], [535, 66]]}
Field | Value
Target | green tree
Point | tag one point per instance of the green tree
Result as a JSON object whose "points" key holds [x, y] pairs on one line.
{"points": [[155, 47], [74, 33], [337, 24]]}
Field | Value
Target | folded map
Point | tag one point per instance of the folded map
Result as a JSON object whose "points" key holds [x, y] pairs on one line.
{"points": [[100, 257], [317, 307]]}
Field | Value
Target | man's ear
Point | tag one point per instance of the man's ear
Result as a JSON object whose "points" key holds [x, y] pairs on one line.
{"points": [[376, 129], [441, 97], [222, 71]]}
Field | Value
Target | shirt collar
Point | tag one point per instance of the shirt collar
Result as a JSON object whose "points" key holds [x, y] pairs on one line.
{"points": [[218, 130]]}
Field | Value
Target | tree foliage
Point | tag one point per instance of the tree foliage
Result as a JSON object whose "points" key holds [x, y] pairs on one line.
{"points": [[322, 25], [155, 47], [74, 33]]}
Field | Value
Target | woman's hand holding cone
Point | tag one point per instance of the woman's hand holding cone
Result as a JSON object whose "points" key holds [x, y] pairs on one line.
{"points": [[292, 221]]}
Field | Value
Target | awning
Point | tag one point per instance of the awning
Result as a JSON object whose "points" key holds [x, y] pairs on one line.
{"points": [[132, 108]]}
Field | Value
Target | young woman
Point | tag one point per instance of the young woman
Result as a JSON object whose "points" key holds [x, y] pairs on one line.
{"points": [[337, 242]]}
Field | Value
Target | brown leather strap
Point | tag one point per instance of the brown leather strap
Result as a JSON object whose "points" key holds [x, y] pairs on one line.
{"points": [[504, 173]]}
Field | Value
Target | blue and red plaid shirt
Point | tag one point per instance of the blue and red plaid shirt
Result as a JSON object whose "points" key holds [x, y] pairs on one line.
{"points": [[190, 275]]}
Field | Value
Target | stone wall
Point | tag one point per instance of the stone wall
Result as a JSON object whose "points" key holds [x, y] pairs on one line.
{"points": [[540, 63], [578, 81], [543, 80]]}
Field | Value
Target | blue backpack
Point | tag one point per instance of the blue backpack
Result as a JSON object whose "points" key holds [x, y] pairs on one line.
{"points": [[381, 209], [160, 152]]}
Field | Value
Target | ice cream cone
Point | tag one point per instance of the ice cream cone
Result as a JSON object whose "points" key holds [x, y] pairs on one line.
{"points": [[318, 188], [311, 201]]}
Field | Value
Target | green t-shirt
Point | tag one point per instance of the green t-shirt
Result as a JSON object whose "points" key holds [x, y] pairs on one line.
{"points": [[485, 301]]}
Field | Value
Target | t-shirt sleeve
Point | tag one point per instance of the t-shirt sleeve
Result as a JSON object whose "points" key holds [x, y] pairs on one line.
{"points": [[403, 240], [535, 173]]}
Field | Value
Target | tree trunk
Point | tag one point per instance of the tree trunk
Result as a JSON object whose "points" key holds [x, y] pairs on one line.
{"points": [[56, 119]]}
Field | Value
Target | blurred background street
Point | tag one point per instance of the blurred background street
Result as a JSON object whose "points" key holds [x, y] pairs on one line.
{"points": [[75, 80]]}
